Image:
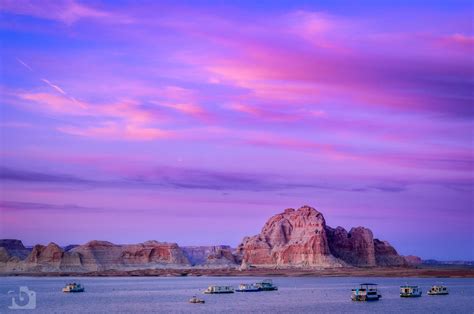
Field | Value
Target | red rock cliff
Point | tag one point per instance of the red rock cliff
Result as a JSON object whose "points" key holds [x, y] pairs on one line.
{"points": [[292, 238]]}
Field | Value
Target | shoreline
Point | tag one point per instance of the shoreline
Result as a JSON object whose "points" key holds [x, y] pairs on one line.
{"points": [[444, 271]]}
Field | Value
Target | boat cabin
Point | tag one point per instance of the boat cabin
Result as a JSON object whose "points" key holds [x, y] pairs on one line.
{"points": [[248, 287]]}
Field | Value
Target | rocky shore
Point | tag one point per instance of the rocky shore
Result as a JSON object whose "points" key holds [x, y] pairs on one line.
{"points": [[420, 272]]}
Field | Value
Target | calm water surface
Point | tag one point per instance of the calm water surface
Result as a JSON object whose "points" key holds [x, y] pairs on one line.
{"points": [[295, 295]]}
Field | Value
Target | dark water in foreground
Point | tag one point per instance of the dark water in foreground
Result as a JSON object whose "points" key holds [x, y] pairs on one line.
{"points": [[295, 295]]}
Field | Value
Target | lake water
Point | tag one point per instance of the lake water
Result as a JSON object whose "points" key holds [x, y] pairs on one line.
{"points": [[295, 295]]}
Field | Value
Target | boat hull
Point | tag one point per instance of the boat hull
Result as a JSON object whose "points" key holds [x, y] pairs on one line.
{"points": [[73, 291], [410, 295], [220, 292], [438, 293], [364, 298]]}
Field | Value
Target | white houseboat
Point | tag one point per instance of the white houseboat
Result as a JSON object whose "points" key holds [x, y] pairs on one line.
{"points": [[366, 292], [219, 289], [247, 287], [73, 287], [438, 290], [408, 291], [266, 285]]}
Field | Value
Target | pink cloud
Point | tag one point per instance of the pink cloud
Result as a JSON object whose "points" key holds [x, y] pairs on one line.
{"points": [[264, 114], [190, 109], [343, 68], [133, 125], [458, 42], [112, 130]]}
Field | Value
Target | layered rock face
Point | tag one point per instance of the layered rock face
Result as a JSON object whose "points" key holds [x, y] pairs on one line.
{"points": [[103, 255], [14, 248], [355, 247], [211, 256], [96, 256], [292, 238], [359, 248], [386, 255], [51, 258], [301, 238]]}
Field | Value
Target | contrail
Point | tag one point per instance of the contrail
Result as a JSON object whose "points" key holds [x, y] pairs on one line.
{"points": [[24, 64]]}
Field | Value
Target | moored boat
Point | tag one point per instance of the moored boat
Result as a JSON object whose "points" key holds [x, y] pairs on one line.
{"points": [[408, 291], [266, 285], [195, 299], [248, 287], [73, 287], [219, 289], [438, 290], [366, 292]]}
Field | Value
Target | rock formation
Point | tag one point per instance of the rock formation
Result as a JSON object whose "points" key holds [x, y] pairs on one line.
{"points": [[386, 255], [301, 238], [96, 256], [359, 248], [355, 247], [211, 256], [413, 260], [15, 248], [51, 258], [292, 238], [103, 255]]}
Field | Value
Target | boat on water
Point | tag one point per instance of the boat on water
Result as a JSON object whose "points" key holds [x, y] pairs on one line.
{"points": [[408, 291], [219, 289], [248, 287], [266, 285], [73, 287], [438, 290], [366, 292], [196, 300]]}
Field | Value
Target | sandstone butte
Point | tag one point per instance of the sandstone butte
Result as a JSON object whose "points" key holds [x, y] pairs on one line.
{"points": [[292, 239]]}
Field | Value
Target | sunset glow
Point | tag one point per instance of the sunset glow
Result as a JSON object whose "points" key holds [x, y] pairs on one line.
{"points": [[193, 123]]}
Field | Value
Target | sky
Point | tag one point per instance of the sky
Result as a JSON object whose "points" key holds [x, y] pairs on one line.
{"points": [[194, 122]]}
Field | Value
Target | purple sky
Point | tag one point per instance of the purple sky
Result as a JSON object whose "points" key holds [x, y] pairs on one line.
{"points": [[195, 122]]}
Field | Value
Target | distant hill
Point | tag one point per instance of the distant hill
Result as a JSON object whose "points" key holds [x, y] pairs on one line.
{"points": [[436, 262]]}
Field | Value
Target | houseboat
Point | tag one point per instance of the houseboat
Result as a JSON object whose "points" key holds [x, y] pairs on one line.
{"points": [[438, 290], [73, 287], [247, 287], [366, 292], [219, 289], [266, 285], [195, 299], [410, 291]]}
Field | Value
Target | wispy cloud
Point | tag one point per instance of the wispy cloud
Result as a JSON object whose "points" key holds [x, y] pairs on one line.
{"points": [[122, 120], [118, 131], [43, 207], [204, 179], [54, 86], [65, 11]]}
